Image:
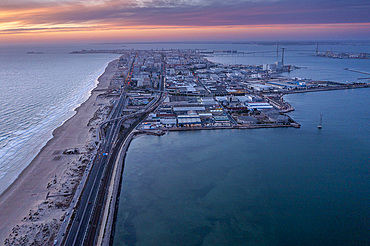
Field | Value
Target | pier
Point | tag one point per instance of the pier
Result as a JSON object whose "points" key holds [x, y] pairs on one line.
{"points": [[356, 71]]}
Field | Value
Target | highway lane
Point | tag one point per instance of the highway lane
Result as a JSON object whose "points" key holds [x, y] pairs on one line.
{"points": [[87, 201], [92, 236], [96, 217], [79, 229], [84, 227], [79, 226]]}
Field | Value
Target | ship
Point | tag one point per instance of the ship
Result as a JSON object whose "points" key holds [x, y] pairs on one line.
{"points": [[320, 124]]}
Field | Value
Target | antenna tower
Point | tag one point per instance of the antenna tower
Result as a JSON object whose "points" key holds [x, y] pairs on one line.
{"points": [[282, 57]]}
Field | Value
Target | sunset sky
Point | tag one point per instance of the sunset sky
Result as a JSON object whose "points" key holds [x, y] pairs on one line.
{"points": [[23, 21]]}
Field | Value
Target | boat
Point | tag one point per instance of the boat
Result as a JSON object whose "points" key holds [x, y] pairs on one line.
{"points": [[320, 124]]}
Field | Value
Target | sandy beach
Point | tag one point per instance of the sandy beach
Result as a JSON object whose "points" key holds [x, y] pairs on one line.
{"points": [[34, 205]]}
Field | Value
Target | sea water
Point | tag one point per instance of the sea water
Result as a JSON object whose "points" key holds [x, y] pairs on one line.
{"points": [[302, 55], [254, 187], [259, 187], [281, 186], [38, 92]]}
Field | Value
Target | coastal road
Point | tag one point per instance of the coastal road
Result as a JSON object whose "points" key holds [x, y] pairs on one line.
{"points": [[91, 236], [87, 218], [87, 203]]}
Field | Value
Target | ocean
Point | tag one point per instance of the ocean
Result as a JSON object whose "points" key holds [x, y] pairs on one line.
{"points": [[254, 187], [228, 187], [263, 186], [38, 92]]}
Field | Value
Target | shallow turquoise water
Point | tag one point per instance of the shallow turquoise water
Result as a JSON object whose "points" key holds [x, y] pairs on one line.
{"points": [[254, 187]]}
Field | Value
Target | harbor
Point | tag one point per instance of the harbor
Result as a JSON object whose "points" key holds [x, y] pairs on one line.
{"points": [[180, 91], [154, 92], [192, 122]]}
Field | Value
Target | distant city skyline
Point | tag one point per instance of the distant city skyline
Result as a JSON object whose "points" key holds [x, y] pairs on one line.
{"points": [[30, 21]]}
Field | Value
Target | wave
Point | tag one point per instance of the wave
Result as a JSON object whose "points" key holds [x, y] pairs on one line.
{"points": [[20, 146]]}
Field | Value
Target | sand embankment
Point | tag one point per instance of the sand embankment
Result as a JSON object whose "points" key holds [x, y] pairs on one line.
{"points": [[37, 198]]}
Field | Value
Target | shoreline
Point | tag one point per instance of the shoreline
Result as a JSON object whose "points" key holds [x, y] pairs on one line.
{"points": [[334, 88], [310, 128], [31, 188], [72, 111], [75, 112], [54, 173]]}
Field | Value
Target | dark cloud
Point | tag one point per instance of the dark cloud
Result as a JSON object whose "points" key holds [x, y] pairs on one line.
{"points": [[188, 13]]}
